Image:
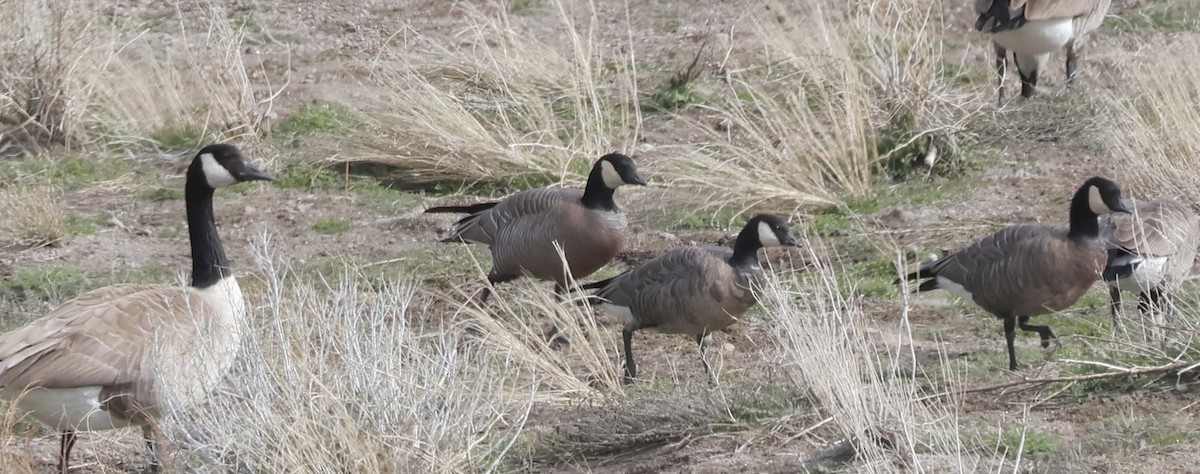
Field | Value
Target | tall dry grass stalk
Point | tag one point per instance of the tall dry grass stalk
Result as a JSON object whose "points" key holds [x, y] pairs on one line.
{"points": [[51, 51], [859, 377], [1153, 133], [840, 94], [339, 375], [73, 74], [500, 102], [200, 87]]}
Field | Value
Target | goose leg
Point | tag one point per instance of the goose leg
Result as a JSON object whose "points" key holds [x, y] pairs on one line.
{"points": [[492, 280], [1043, 331], [630, 367], [1010, 333], [1001, 70], [1072, 62], [64, 450], [152, 462], [1028, 81], [1144, 303], [712, 378], [1114, 306]]}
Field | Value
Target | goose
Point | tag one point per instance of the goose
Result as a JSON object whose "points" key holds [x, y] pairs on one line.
{"points": [[1150, 251], [522, 229], [691, 290], [1030, 269], [114, 356], [1033, 29]]}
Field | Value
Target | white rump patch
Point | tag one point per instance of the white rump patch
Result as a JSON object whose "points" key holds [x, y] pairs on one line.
{"points": [[1037, 38], [216, 175], [1096, 202], [621, 312], [766, 236], [612, 179], [948, 285]]}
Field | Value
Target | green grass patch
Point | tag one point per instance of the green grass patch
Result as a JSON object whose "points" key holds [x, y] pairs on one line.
{"points": [[309, 176], [62, 282], [871, 278], [79, 224], [70, 172], [1034, 444], [331, 226], [722, 218], [1174, 16], [313, 119]]}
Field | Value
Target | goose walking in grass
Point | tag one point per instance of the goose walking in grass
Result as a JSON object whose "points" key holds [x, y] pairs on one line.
{"points": [[1030, 269], [691, 290], [1150, 252], [113, 357], [1033, 29], [523, 229]]}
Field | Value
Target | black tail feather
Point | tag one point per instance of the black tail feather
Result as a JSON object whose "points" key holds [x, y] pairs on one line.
{"points": [[469, 209]]}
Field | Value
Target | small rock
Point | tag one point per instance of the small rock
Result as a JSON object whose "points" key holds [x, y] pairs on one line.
{"points": [[727, 347]]}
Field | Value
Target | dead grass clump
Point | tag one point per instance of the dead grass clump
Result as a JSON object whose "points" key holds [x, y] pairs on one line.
{"points": [[843, 96], [1153, 133], [32, 215], [339, 375], [74, 78], [500, 102], [51, 51], [830, 351]]}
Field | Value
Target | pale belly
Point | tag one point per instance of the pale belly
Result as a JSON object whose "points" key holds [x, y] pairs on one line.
{"points": [[1149, 273], [66, 408], [1037, 37]]}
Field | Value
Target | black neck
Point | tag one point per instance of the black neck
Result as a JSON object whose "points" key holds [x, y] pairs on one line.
{"points": [[209, 264], [1083, 223], [597, 195], [745, 249]]}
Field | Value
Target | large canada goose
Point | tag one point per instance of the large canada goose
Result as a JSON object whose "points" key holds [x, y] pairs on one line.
{"points": [[1030, 269], [1150, 251], [112, 357], [522, 229], [1033, 29], [691, 290]]}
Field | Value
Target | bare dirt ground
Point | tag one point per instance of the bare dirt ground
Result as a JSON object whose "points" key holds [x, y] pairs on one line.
{"points": [[1025, 177]]}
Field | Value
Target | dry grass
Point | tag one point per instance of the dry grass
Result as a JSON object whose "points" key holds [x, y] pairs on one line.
{"points": [[51, 51], [1153, 133], [199, 91], [73, 76], [500, 102], [840, 98], [832, 352], [340, 373], [33, 215]]}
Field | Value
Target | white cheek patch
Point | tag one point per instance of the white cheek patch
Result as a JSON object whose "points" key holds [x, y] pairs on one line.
{"points": [[612, 179], [766, 236], [1096, 202], [216, 175]]}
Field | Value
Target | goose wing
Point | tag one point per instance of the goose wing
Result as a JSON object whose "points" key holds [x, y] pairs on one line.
{"points": [[96, 339], [486, 220]]}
